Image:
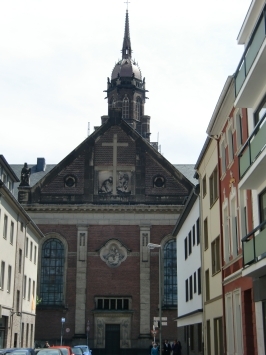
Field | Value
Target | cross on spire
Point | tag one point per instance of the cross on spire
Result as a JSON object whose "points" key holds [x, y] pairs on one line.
{"points": [[127, 2]]}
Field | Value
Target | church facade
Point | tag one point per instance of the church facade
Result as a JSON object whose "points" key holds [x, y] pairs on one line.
{"points": [[98, 209]]}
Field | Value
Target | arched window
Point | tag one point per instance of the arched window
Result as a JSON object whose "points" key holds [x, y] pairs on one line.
{"points": [[112, 102], [170, 273], [52, 272], [138, 108], [125, 108]]}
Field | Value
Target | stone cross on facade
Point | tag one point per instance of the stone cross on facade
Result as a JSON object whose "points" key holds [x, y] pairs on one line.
{"points": [[115, 144]]}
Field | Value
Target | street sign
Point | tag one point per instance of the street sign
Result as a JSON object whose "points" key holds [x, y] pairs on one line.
{"points": [[164, 319], [154, 332]]}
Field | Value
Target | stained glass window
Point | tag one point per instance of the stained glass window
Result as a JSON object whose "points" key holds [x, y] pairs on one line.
{"points": [[170, 274], [52, 272]]}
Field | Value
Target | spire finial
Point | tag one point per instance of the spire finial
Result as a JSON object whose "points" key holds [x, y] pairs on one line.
{"points": [[127, 2], [126, 50]]}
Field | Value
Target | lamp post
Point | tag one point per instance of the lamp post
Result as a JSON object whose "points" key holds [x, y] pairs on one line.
{"points": [[62, 323], [153, 246]]}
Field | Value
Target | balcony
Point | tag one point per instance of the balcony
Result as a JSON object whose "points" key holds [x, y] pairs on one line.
{"points": [[252, 158], [254, 252], [250, 76]]}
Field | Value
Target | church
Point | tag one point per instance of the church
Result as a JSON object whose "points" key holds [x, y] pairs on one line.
{"points": [[98, 209]]}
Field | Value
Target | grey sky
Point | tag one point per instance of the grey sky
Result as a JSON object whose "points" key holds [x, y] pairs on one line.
{"points": [[55, 57]]}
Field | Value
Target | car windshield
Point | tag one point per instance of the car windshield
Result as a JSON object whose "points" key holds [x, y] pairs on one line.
{"points": [[49, 352], [84, 348], [77, 351], [64, 351], [20, 352]]}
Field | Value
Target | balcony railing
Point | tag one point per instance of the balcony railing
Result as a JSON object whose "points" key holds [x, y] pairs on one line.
{"points": [[254, 245], [253, 147], [251, 52]]}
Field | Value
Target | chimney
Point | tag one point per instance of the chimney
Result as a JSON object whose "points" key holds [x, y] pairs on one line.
{"points": [[40, 164]]}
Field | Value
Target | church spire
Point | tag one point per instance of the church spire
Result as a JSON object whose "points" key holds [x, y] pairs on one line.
{"points": [[126, 50]]}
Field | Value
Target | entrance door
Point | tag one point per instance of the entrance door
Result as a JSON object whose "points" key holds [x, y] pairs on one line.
{"points": [[112, 339]]}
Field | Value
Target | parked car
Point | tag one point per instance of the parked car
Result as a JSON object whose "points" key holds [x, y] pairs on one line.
{"points": [[77, 351], [48, 351], [84, 348], [66, 350], [18, 351]]}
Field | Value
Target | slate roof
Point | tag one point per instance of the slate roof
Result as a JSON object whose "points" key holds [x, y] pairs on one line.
{"points": [[188, 171]]}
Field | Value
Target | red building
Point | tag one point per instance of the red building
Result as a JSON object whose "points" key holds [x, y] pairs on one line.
{"points": [[229, 127]]}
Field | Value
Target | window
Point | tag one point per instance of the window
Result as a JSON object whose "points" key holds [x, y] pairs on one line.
{"points": [[199, 336], [199, 281], [213, 183], [2, 275], [21, 226], [25, 287], [31, 334], [189, 243], [204, 186], [19, 260], [239, 132], [193, 234], [186, 290], [226, 234], [27, 334], [11, 232], [191, 331], [31, 245], [223, 157], [208, 337], [218, 336], [138, 108], [216, 266], [113, 303], [52, 277], [195, 282], [185, 245], [230, 145], [29, 289], [9, 275], [198, 231], [22, 334], [125, 108], [5, 227], [234, 228], [170, 273], [260, 112], [262, 206], [27, 247], [206, 238], [207, 285], [18, 301], [190, 288], [33, 289], [35, 254]]}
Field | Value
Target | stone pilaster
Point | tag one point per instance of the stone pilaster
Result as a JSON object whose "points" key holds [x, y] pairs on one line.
{"points": [[81, 277], [144, 282]]}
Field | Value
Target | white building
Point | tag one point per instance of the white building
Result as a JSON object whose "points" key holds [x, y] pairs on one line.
{"points": [[189, 318], [19, 240], [250, 91]]}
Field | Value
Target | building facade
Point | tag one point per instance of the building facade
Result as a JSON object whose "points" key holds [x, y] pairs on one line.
{"points": [[19, 245], [250, 91], [98, 209], [189, 296]]}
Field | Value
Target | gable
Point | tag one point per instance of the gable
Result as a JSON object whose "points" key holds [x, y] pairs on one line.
{"points": [[113, 165]]}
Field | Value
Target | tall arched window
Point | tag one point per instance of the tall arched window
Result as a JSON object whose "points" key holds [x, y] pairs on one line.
{"points": [[112, 102], [52, 272], [138, 108], [125, 107], [170, 273]]}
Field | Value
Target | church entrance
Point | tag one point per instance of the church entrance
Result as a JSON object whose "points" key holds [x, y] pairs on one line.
{"points": [[112, 339]]}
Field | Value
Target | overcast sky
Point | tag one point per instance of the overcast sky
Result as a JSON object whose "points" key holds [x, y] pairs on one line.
{"points": [[55, 57]]}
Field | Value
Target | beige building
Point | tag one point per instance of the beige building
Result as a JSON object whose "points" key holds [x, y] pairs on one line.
{"points": [[19, 240], [207, 169]]}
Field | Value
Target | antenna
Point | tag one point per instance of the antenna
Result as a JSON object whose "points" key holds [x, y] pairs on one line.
{"points": [[89, 130], [158, 137]]}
